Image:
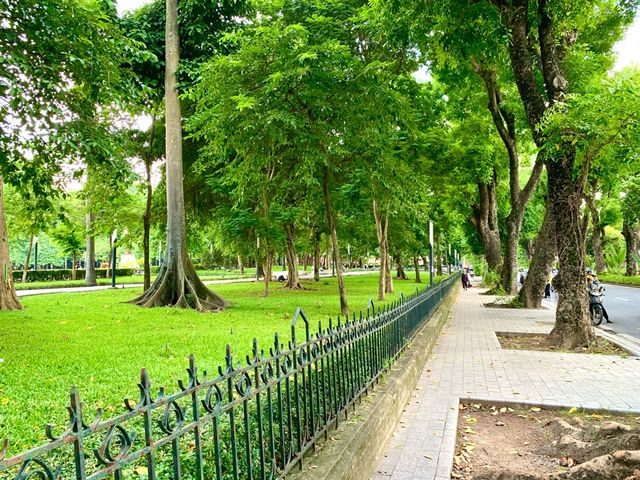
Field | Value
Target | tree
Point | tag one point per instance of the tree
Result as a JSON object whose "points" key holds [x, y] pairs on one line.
{"points": [[545, 46], [177, 282], [49, 50]]}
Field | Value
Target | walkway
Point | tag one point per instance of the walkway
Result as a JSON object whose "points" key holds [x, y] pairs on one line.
{"points": [[469, 363]]}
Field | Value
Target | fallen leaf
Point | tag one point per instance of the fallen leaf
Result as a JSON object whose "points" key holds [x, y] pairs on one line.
{"points": [[535, 409], [142, 471]]}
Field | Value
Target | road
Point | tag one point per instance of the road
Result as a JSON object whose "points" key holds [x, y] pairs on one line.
{"points": [[623, 307]]}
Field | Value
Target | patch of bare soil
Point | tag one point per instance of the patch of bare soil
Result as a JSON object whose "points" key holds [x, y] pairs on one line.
{"points": [[502, 443], [539, 342]]}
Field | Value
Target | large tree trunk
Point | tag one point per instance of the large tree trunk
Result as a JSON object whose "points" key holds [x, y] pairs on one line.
{"points": [[438, 257], [631, 239], [400, 273], [177, 282], [26, 262], [240, 264], [293, 279], [573, 327], [382, 230], [316, 254], [425, 263], [331, 223], [544, 254], [416, 266], [146, 219], [388, 284], [8, 297], [90, 255], [508, 275], [73, 267], [504, 121], [573, 322], [485, 220]]}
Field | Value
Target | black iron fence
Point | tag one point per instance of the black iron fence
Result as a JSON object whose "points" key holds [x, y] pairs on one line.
{"points": [[253, 421]]}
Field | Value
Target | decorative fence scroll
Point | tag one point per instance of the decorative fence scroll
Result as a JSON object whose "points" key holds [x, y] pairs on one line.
{"points": [[253, 421]]}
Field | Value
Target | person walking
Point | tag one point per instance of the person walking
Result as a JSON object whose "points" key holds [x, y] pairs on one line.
{"points": [[465, 280]]}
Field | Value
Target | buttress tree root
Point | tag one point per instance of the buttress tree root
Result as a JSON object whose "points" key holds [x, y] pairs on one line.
{"points": [[178, 285]]}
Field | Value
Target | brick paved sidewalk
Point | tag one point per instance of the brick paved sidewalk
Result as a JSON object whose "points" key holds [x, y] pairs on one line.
{"points": [[468, 362]]}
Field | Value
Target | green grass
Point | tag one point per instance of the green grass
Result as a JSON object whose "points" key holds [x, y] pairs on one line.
{"points": [[620, 279], [99, 343]]}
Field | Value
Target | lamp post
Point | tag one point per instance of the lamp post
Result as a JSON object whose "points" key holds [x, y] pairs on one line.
{"points": [[114, 238], [430, 254], [35, 253]]}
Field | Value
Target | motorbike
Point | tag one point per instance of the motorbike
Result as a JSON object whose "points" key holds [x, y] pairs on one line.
{"points": [[596, 292]]}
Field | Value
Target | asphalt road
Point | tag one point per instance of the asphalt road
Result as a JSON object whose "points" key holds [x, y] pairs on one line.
{"points": [[623, 307]]}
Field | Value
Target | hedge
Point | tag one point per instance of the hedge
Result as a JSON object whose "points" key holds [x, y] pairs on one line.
{"points": [[65, 274]]}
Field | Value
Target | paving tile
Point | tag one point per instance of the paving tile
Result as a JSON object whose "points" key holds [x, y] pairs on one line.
{"points": [[468, 361]]}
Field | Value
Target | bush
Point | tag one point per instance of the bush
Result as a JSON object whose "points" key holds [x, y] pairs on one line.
{"points": [[65, 274], [492, 282]]}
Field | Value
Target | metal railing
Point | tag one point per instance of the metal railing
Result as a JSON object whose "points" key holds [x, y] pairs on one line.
{"points": [[253, 421]]}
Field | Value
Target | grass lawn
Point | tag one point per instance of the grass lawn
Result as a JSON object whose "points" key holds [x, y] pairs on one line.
{"points": [[620, 279], [98, 342]]}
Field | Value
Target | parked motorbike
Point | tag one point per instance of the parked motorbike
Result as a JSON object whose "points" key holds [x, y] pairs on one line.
{"points": [[596, 292]]}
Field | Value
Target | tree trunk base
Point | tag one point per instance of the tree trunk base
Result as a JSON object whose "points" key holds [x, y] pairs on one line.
{"points": [[178, 285]]}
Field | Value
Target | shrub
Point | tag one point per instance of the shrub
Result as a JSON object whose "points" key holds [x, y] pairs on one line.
{"points": [[65, 274]]}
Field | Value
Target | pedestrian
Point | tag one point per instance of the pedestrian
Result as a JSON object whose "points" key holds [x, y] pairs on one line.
{"points": [[465, 280], [547, 287]]}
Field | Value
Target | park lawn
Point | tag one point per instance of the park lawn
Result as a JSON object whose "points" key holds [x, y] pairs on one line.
{"points": [[620, 279], [98, 342], [204, 275]]}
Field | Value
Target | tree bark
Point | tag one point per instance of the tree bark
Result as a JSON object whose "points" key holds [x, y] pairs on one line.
{"points": [[596, 235], [437, 256], [425, 263], [504, 121], [26, 262], [177, 282], [331, 223], [416, 267], [316, 254], [400, 273], [632, 241], [293, 279], [485, 219], [90, 255], [8, 298], [388, 284], [382, 230], [73, 267], [573, 322], [544, 254], [146, 218], [573, 327], [240, 265]]}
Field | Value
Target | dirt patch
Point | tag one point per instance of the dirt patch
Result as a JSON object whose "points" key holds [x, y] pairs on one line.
{"points": [[502, 443], [539, 342]]}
